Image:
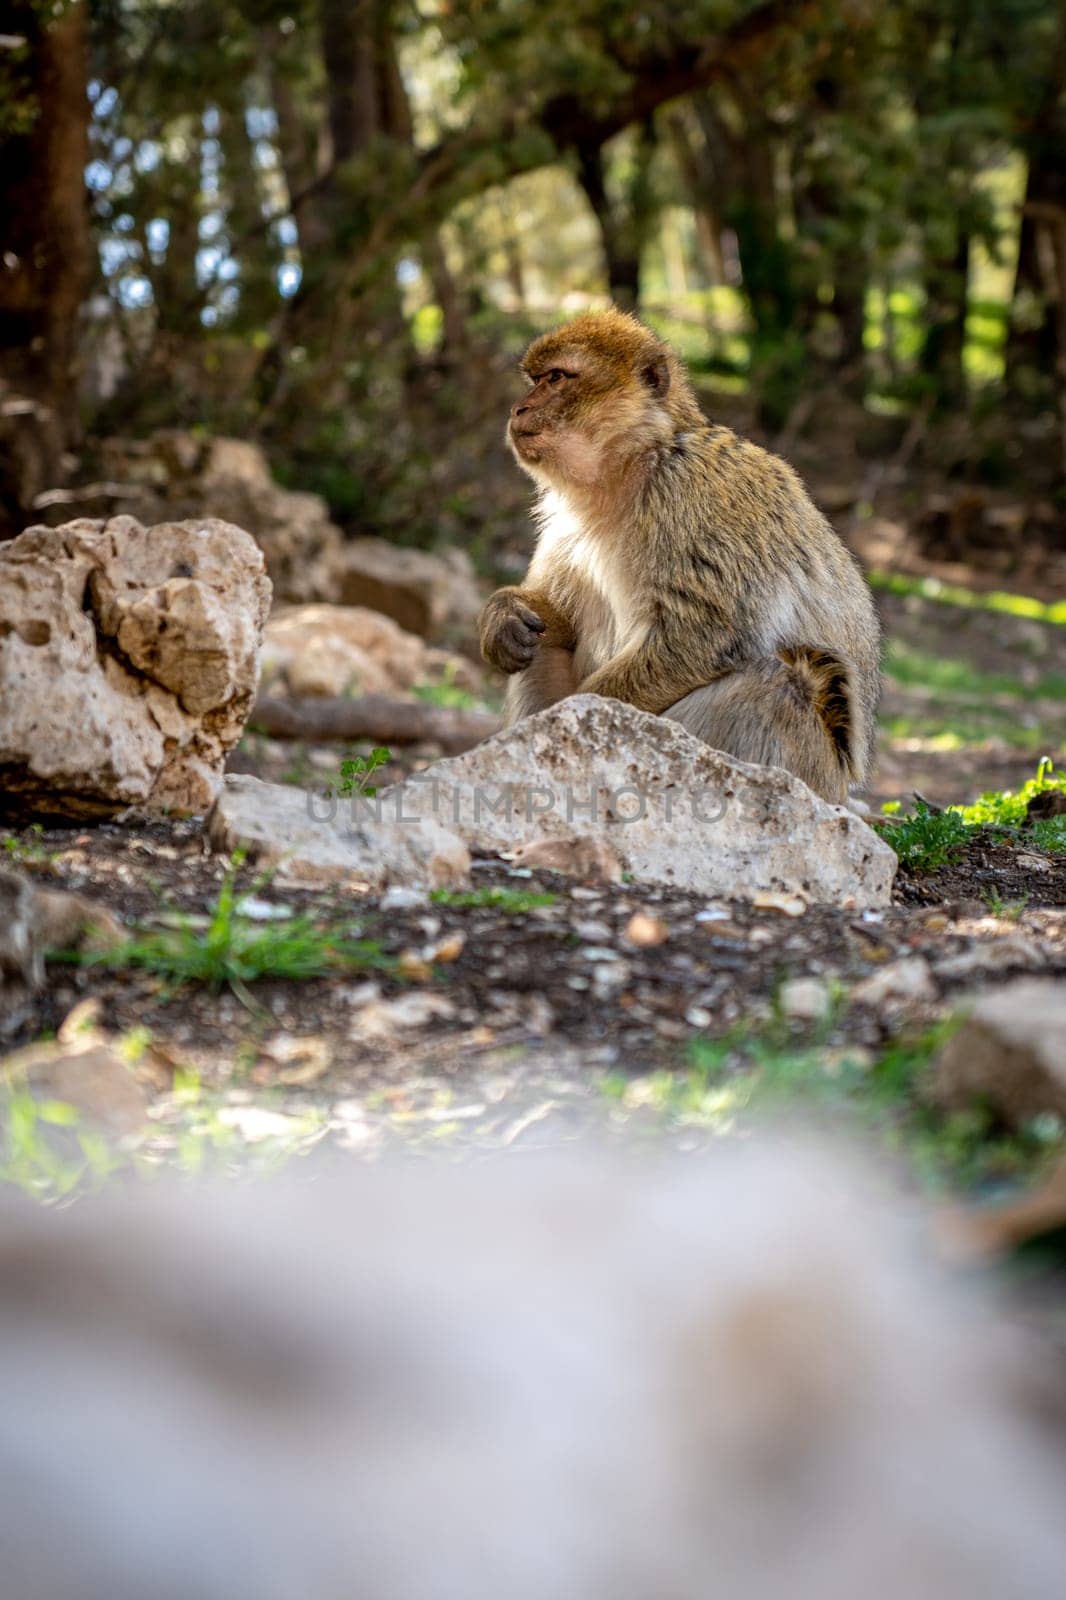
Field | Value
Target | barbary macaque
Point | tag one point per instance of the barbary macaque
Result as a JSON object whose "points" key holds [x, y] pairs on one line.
{"points": [[679, 567]]}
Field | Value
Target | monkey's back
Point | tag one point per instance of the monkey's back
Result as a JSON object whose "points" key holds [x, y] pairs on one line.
{"points": [[751, 536]]}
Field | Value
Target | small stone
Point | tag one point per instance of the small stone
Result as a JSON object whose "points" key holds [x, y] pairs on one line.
{"points": [[381, 1019], [645, 931], [790, 905], [449, 948], [909, 978], [1030, 863], [583, 856], [1013, 950], [399, 898], [805, 999], [413, 964], [1009, 1054], [592, 931]]}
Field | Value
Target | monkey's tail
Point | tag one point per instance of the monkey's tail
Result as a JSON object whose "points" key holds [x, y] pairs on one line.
{"points": [[826, 681]]}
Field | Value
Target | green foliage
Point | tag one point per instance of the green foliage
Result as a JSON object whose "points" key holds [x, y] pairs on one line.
{"points": [[446, 692], [44, 1165], [26, 850], [925, 840], [235, 949], [1012, 605], [1009, 808], [776, 1066], [955, 678], [356, 771], [512, 902]]}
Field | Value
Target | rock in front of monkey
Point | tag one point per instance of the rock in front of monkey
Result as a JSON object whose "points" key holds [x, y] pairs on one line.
{"points": [[672, 810]]}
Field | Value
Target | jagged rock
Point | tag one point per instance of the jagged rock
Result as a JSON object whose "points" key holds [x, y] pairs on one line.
{"points": [[436, 596], [673, 810], [128, 663], [1010, 1053], [335, 650], [313, 840]]}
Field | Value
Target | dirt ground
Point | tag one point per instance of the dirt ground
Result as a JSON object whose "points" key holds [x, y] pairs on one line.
{"points": [[492, 1024]]}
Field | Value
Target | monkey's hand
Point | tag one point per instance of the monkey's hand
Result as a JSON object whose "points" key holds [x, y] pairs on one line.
{"points": [[512, 625]]}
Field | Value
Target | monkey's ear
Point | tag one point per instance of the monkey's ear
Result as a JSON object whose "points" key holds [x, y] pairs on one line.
{"points": [[656, 374]]}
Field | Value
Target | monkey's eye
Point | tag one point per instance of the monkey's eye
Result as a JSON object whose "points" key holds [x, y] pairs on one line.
{"points": [[556, 375]]}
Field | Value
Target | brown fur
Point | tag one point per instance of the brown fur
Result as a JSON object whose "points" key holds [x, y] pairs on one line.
{"points": [[680, 567]]}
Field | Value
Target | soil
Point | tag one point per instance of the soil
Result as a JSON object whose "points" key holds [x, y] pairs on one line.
{"points": [[537, 1005]]}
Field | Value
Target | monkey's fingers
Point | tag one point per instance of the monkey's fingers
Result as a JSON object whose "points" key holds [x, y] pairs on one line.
{"points": [[529, 618], [516, 643]]}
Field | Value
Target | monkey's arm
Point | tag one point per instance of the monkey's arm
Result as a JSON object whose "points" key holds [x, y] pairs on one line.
{"points": [[513, 623], [665, 666]]}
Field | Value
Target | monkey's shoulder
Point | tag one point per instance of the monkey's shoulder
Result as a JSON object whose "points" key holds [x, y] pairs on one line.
{"points": [[731, 459]]}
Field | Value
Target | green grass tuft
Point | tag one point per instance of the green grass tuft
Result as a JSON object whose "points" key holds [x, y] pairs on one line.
{"points": [[513, 902], [925, 840], [235, 949]]}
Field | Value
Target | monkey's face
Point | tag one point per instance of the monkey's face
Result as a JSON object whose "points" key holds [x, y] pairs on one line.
{"points": [[596, 392]]}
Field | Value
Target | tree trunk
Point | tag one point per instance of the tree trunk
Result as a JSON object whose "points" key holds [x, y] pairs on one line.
{"points": [[697, 170], [946, 300], [623, 228], [1032, 346], [44, 251], [623, 269]]}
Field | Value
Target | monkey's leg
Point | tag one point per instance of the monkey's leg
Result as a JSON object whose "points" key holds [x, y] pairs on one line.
{"points": [[774, 713], [549, 677]]}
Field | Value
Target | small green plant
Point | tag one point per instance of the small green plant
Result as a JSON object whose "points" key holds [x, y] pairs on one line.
{"points": [[1049, 834], [45, 1151], [27, 850], [512, 902], [356, 772], [927, 839], [445, 692], [1011, 910], [236, 950], [1009, 808]]}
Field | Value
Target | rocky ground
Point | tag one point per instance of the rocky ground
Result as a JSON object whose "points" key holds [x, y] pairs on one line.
{"points": [[257, 1014]]}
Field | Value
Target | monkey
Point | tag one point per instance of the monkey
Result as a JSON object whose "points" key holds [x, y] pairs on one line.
{"points": [[679, 567]]}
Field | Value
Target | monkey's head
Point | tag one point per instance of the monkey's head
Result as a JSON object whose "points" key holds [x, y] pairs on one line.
{"points": [[603, 391]]}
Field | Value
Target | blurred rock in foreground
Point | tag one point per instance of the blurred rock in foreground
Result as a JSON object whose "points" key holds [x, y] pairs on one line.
{"points": [[605, 1381]]}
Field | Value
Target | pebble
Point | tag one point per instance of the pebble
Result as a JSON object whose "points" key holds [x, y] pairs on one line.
{"points": [[399, 898], [805, 999], [646, 931], [907, 979]]}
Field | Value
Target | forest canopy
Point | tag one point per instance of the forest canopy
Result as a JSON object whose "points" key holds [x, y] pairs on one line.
{"points": [[310, 223]]}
